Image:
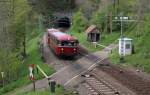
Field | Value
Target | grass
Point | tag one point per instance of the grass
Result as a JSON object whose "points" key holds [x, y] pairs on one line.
{"points": [[59, 91], [106, 40], [141, 58], [34, 57]]}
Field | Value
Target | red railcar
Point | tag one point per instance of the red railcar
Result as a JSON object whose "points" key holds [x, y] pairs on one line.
{"points": [[61, 43]]}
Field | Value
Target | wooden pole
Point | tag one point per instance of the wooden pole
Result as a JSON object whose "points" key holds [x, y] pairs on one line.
{"points": [[33, 85], [110, 22], [2, 73], [3, 82], [24, 45], [32, 77]]}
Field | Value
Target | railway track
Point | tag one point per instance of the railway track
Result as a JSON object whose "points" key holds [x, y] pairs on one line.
{"points": [[94, 85], [100, 87], [134, 82], [97, 86]]}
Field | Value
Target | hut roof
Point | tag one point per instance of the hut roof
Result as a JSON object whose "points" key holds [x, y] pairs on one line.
{"points": [[91, 28]]}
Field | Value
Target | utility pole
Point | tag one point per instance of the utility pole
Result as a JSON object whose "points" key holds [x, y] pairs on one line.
{"points": [[2, 74], [122, 19], [110, 22]]}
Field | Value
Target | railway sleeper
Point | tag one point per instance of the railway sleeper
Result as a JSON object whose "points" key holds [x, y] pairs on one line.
{"points": [[101, 87]]}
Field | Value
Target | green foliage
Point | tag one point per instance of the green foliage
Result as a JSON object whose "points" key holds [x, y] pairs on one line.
{"points": [[99, 18], [147, 23], [14, 68], [9, 64], [18, 21], [141, 45], [47, 6], [106, 40], [34, 57], [79, 22], [10, 58]]}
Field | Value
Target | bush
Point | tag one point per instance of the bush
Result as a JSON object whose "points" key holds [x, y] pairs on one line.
{"points": [[99, 18], [79, 22], [9, 64]]}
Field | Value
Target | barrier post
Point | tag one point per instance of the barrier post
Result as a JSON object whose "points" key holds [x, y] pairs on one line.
{"points": [[52, 86], [2, 73], [33, 85], [52, 83], [31, 75]]}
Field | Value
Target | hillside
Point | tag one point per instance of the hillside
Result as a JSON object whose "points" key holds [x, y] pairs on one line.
{"points": [[138, 30], [142, 52], [24, 22], [22, 25]]}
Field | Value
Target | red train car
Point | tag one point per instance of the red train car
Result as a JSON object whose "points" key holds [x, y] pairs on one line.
{"points": [[61, 43]]}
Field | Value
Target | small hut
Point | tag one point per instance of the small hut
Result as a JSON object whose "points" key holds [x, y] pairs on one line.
{"points": [[93, 33]]}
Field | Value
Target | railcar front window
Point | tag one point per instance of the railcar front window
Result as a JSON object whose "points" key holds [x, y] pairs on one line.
{"points": [[66, 43]]}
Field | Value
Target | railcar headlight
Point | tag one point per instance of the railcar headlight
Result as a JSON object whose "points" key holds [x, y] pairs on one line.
{"points": [[62, 49]]}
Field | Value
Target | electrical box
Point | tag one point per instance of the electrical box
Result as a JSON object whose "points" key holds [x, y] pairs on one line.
{"points": [[125, 46]]}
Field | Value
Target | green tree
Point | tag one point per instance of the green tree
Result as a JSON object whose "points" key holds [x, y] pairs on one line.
{"points": [[99, 19], [16, 28], [19, 20], [47, 6], [9, 64], [79, 22]]}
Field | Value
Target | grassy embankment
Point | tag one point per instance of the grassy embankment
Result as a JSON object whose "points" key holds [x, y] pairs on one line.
{"points": [[80, 24], [141, 58], [34, 57], [59, 91], [106, 40]]}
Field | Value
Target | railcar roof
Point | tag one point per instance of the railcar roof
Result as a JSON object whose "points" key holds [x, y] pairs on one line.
{"points": [[52, 30], [60, 35]]}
